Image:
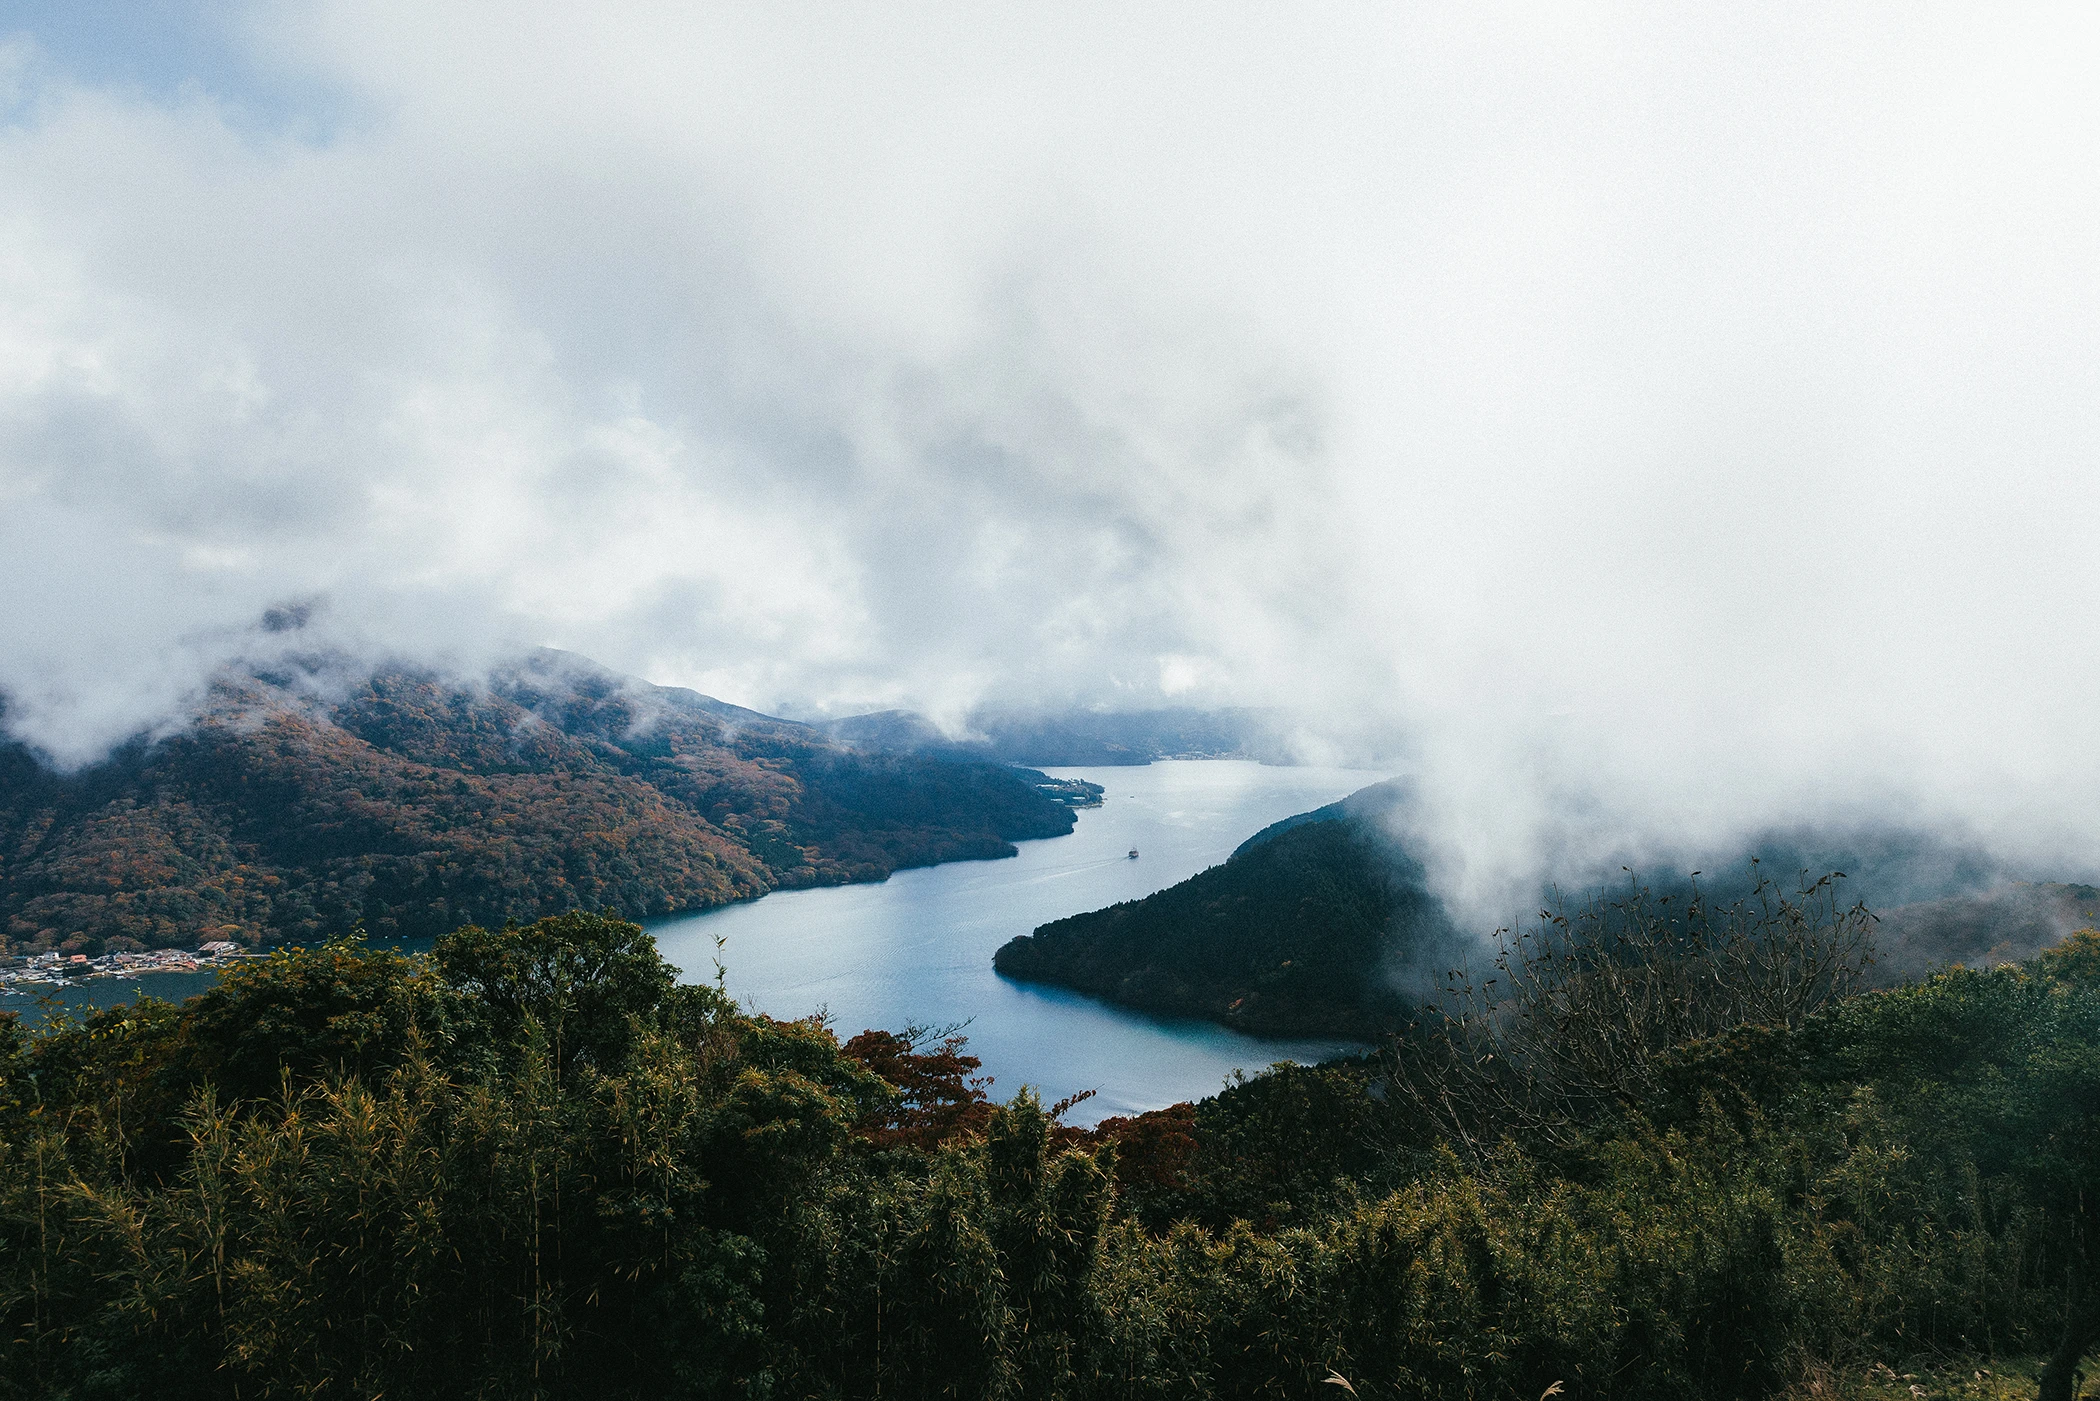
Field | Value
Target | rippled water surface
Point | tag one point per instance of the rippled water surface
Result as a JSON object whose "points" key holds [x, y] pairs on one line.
{"points": [[918, 947]]}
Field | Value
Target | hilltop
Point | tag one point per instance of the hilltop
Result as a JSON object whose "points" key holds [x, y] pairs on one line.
{"points": [[1297, 933], [305, 801]]}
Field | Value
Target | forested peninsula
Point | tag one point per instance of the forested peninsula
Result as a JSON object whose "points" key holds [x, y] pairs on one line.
{"points": [[1301, 932], [307, 801]]}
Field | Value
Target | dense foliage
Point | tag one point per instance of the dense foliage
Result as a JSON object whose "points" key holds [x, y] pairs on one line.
{"points": [[530, 1164], [293, 808], [1296, 934], [1578, 1014]]}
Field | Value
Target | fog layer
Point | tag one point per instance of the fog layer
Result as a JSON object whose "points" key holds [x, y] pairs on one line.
{"points": [[1652, 423]]}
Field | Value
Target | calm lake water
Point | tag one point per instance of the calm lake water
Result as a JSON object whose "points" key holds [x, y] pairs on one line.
{"points": [[31, 1004], [918, 947]]}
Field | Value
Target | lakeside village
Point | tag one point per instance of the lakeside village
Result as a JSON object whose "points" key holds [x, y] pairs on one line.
{"points": [[55, 969]]}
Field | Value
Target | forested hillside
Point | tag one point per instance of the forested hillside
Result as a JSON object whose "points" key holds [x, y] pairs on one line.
{"points": [[304, 803], [1304, 931], [532, 1165], [1323, 923]]}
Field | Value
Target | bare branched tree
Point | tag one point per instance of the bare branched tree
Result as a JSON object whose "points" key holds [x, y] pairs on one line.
{"points": [[1578, 1010]]}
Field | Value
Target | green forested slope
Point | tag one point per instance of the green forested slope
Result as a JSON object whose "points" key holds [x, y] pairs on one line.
{"points": [[1301, 932], [414, 805], [531, 1165], [1322, 923]]}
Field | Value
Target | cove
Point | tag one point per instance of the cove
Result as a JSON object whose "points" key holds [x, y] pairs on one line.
{"points": [[917, 948]]}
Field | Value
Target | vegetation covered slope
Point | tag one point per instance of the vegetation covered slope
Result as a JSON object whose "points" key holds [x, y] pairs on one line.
{"points": [[531, 1165], [1298, 933], [2008, 923], [301, 804], [1322, 923]]}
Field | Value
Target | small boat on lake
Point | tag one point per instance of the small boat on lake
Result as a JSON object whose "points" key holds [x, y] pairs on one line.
{"points": [[1133, 853]]}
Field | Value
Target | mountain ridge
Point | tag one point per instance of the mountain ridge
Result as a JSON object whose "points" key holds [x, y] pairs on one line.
{"points": [[311, 799]]}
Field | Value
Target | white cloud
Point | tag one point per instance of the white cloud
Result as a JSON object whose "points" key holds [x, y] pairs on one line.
{"points": [[1679, 417]]}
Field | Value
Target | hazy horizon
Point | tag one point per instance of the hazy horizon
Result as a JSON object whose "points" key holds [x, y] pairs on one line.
{"points": [[1659, 425]]}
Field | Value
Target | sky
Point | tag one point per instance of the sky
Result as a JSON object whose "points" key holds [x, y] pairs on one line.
{"points": [[1661, 420]]}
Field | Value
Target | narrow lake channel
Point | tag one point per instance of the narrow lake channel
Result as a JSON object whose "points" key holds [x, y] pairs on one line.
{"points": [[918, 947]]}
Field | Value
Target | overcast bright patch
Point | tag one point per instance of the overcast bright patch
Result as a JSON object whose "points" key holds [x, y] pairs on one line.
{"points": [[1676, 417]]}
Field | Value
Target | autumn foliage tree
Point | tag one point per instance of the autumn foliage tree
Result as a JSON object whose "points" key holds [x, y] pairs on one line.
{"points": [[938, 1094]]}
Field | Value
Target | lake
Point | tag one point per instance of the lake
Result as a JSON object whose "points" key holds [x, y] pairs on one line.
{"points": [[89, 993], [917, 948]]}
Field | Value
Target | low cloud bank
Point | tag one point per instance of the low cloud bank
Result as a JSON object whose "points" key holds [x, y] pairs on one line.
{"points": [[1645, 429]]}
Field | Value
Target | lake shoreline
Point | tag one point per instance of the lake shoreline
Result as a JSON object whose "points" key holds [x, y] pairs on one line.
{"points": [[918, 948], [1181, 814]]}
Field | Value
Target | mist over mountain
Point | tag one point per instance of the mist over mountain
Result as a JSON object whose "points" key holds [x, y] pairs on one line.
{"points": [[1635, 473], [1660, 440], [1082, 738], [316, 797], [1326, 922]]}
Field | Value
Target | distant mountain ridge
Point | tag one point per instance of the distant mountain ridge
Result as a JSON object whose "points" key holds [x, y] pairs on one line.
{"points": [[1077, 739], [312, 798]]}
